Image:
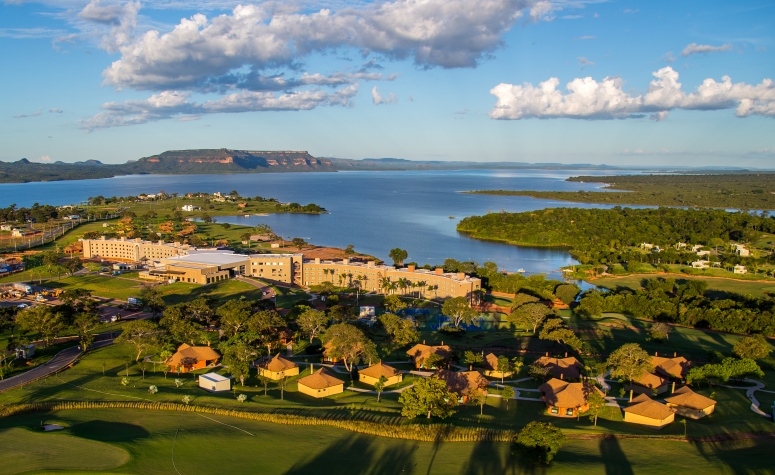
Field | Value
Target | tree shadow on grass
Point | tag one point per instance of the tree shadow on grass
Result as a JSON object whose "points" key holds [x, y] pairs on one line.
{"points": [[741, 457], [357, 455], [615, 460], [106, 431], [486, 459]]}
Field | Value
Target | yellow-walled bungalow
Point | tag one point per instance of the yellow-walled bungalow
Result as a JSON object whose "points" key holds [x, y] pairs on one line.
{"points": [[418, 353], [565, 399], [491, 367], [648, 383], [561, 368], [320, 384], [278, 367], [644, 410], [189, 358], [463, 382], [688, 403], [372, 374]]}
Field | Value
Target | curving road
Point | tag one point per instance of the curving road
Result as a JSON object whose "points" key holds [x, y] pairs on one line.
{"points": [[59, 361]]}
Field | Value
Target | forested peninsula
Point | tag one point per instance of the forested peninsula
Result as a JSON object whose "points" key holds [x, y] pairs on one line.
{"points": [[738, 191]]}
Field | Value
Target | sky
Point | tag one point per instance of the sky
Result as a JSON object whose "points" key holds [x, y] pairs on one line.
{"points": [[620, 82]]}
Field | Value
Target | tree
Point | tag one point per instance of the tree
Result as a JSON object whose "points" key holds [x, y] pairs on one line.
{"points": [[379, 386], [629, 362], [142, 334], [591, 305], [729, 368], [538, 442], [393, 303], [434, 360], [299, 243], [349, 344], [660, 331], [428, 397], [312, 323], [555, 330], [349, 250], [503, 366], [459, 311], [281, 384], [238, 355], [567, 292], [530, 315], [538, 371], [234, 316], [478, 397], [398, 256], [596, 403], [507, 394], [206, 218], [42, 320], [753, 347], [152, 299], [472, 357], [400, 331], [50, 260], [73, 264], [84, 324]]}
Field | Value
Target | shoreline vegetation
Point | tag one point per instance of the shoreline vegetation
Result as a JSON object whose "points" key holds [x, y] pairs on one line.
{"points": [[737, 191]]}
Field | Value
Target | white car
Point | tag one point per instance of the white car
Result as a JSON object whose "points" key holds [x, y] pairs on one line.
{"points": [[22, 305]]}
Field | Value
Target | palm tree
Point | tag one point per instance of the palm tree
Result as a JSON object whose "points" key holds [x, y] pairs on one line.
{"points": [[384, 284], [325, 273], [402, 282], [421, 288]]}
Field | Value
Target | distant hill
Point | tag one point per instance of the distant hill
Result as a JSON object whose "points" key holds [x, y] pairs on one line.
{"points": [[227, 161]]}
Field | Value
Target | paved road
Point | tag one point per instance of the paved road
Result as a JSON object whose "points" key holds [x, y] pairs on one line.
{"points": [[750, 393], [59, 361], [267, 292]]}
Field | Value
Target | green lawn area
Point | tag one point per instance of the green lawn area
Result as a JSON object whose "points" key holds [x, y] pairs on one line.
{"points": [[218, 444], [100, 285], [634, 282]]}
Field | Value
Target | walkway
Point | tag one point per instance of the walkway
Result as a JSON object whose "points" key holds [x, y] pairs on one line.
{"points": [[267, 292], [749, 392]]}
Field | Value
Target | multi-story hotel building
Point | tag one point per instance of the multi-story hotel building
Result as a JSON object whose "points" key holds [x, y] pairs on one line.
{"points": [[178, 262]]}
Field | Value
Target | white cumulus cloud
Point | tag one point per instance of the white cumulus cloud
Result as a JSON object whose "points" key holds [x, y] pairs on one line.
{"points": [[378, 99], [694, 48], [589, 99], [445, 33]]}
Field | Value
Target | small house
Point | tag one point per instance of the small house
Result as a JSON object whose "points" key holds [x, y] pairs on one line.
{"points": [[25, 352], [648, 412], [464, 382], [189, 358], [278, 368], [566, 399], [491, 367], [561, 368], [741, 250], [372, 374], [214, 382], [320, 384], [242, 205], [703, 253], [740, 269], [700, 264], [420, 352], [674, 368], [648, 383], [688, 403]]}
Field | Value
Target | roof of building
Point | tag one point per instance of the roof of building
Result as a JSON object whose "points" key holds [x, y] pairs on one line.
{"points": [[647, 407], [210, 257], [463, 382], [562, 393], [491, 362], [676, 367], [379, 369], [320, 379], [200, 353], [650, 380], [421, 351], [687, 398], [278, 364], [563, 368], [214, 377]]}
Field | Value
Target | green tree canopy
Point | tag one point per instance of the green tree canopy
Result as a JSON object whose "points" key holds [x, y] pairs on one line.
{"points": [[428, 397], [398, 256], [567, 292], [754, 347], [538, 442], [629, 362], [349, 344], [530, 315], [142, 334], [312, 323], [393, 303], [459, 311], [400, 331]]}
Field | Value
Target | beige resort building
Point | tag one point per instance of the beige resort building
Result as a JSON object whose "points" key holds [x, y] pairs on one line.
{"points": [[184, 263]]}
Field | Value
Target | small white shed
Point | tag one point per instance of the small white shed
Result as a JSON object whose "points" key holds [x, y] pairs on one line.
{"points": [[214, 382]]}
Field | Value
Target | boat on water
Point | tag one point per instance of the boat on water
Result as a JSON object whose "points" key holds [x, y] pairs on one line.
{"points": [[521, 271]]}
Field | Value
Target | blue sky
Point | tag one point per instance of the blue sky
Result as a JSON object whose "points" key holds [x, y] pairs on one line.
{"points": [[618, 82]]}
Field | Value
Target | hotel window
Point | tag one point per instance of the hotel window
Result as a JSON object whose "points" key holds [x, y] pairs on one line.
{"points": [[569, 412]]}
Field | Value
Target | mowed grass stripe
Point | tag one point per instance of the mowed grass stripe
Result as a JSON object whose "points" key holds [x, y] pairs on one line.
{"points": [[24, 451]]}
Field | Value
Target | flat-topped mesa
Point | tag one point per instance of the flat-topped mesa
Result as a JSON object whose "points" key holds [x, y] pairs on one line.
{"points": [[228, 160]]}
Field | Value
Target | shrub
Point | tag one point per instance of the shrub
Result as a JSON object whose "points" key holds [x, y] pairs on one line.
{"points": [[153, 389], [242, 398]]}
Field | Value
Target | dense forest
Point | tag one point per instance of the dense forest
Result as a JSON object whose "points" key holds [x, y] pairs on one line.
{"points": [[37, 213], [738, 191], [600, 235], [686, 304]]}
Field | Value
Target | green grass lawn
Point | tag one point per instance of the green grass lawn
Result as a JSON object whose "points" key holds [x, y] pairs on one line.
{"points": [[100, 285], [217, 444], [634, 282]]}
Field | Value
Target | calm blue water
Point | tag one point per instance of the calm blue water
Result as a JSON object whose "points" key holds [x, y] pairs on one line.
{"points": [[374, 211]]}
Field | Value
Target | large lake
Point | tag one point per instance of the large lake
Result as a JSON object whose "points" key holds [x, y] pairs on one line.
{"points": [[374, 211]]}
